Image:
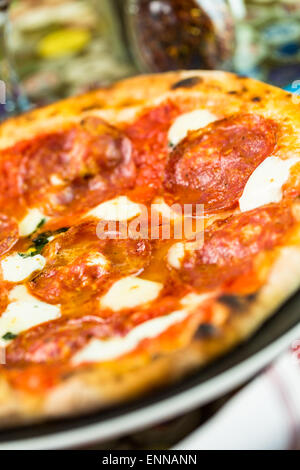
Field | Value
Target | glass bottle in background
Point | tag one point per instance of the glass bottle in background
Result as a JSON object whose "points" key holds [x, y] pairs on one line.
{"points": [[180, 34], [257, 38], [66, 47], [12, 99]]}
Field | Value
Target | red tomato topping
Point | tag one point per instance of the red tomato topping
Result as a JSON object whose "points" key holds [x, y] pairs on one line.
{"points": [[34, 379]]}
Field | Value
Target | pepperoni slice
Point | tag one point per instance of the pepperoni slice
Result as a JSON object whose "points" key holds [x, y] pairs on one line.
{"points": [[58, 339], [92, 148], [109, 152], [230, 245], [27, 167], [82, 240], [8, 233], [4, 291], [10, 182], [149, 137], [73, 268], [212, 165]]}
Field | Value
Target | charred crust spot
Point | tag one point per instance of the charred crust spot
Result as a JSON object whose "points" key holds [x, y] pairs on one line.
{"points": [[256, 99], [52, 113], [187, 83], [130, 102], [67, 375], [90, 107], [205, 330], [28, 117], [237, 302], [251, 297], [231, 301], [156, 356], [232, 92]]}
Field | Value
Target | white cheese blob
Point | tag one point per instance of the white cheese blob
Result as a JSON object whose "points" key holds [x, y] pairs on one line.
{"points": [[130, 292], [265, 184], [119, 208], [189, 122], [23, 312], [30, 222], [16, 268], [178, 250], [99, 260], [176, 254], [56, 180], [104, 350], [159, 205], [192, 300]]}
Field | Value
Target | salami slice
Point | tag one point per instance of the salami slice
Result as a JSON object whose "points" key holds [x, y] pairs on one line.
{"points": [[8, 233], [58, 339], [78, 263], [3, 297], [90, 148], [230, 245], [149, 137], [212, 165], [108, 152]]}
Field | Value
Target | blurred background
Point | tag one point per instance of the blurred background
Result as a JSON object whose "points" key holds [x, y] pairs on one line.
{"points": [[59, 48], [51, 49]]}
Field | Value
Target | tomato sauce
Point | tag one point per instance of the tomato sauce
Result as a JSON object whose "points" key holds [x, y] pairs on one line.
{"points": [[97, 162]]}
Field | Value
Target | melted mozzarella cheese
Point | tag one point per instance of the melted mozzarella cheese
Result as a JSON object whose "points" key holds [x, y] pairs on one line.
{"points": [[176, 254], [56, 180], [23, 312], [265, 184], [16, 268], [159, 205], [97, 259], [119, 208], [130, 292], [104, 350], [178, 250], [30, 222], [189, 122]]}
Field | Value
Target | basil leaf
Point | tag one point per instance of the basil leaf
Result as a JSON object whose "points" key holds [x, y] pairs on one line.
{"points": [[8, 336]]}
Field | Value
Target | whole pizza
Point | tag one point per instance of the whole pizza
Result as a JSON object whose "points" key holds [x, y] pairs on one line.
{"points": [[145, 229]]}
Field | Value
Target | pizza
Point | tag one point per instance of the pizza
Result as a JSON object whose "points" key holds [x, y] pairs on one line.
{"points": [[145, 229]]}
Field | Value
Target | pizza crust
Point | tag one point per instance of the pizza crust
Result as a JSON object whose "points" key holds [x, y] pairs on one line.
{"points": [[220, 91], [95, 387]]}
